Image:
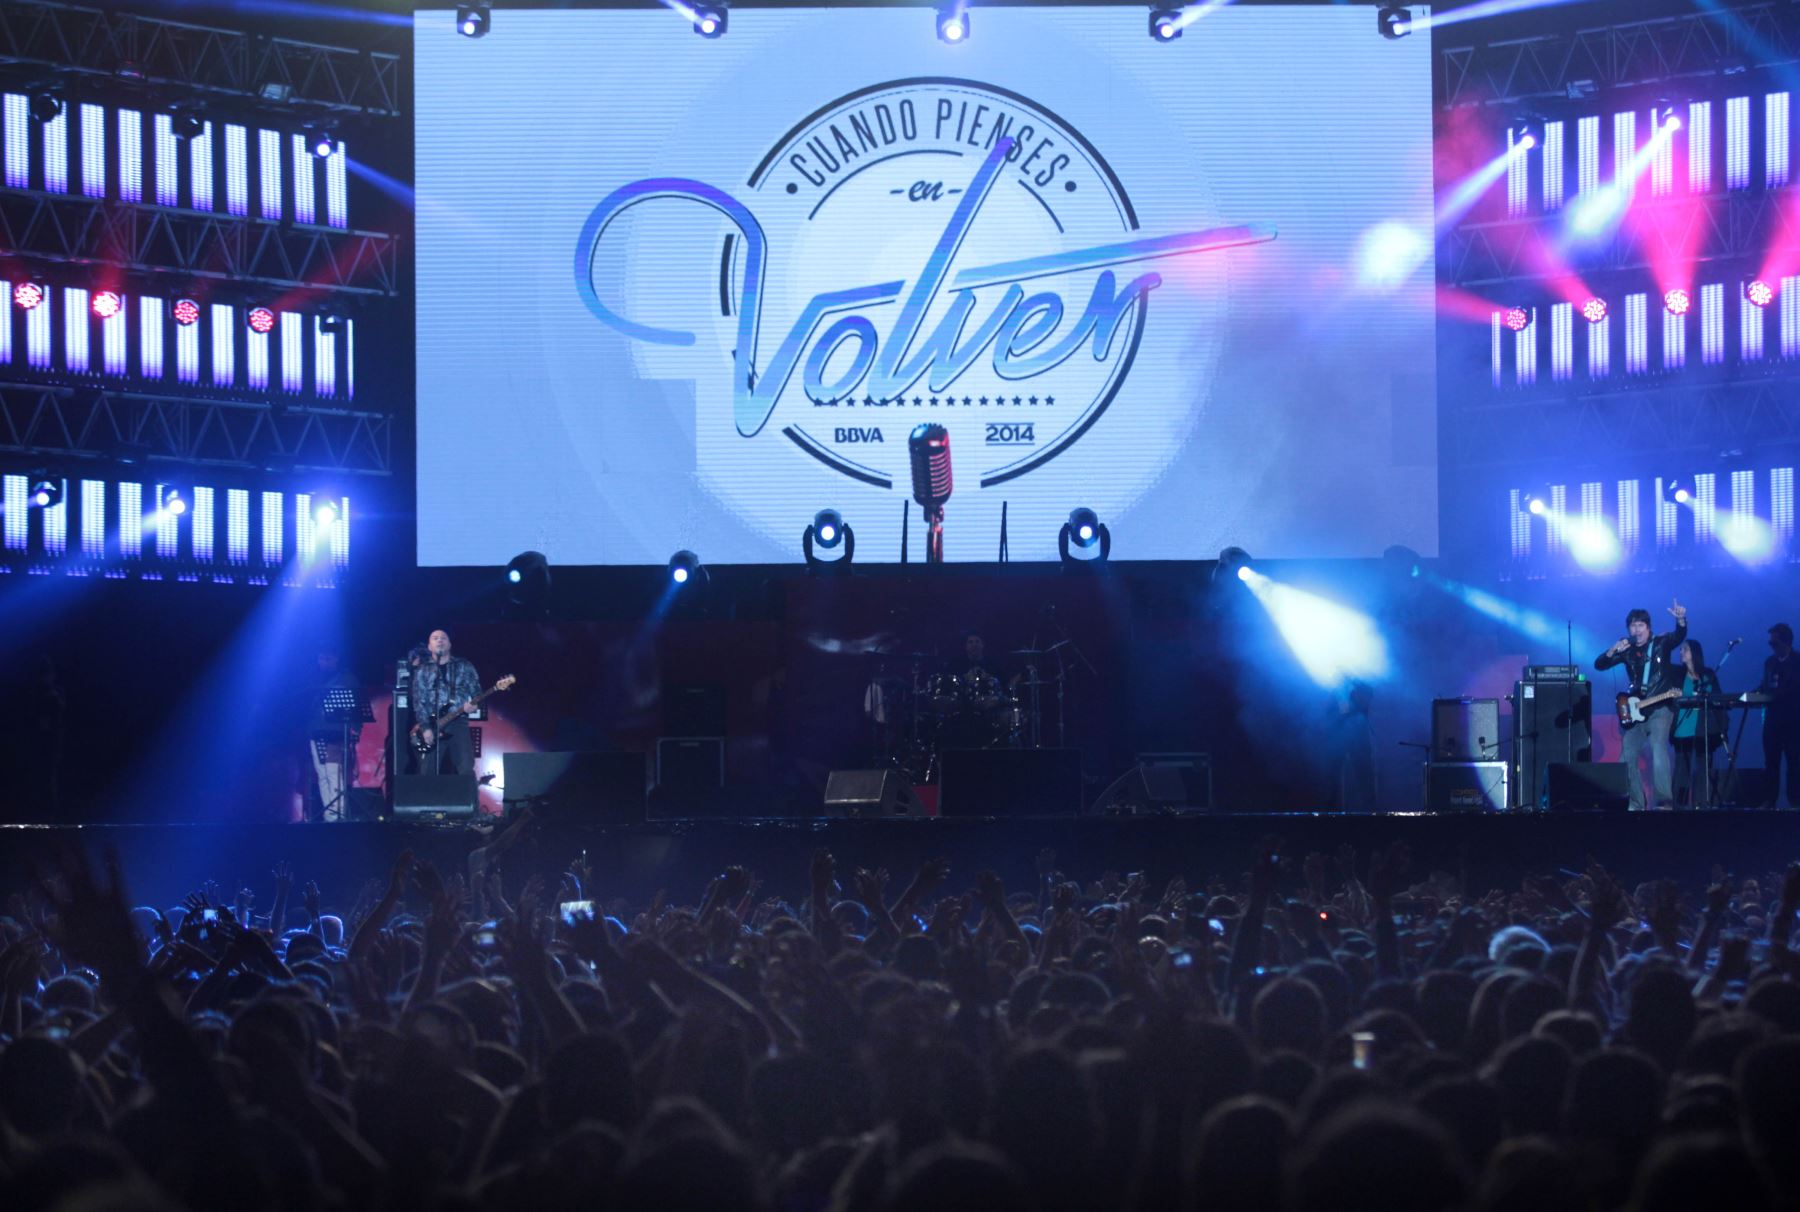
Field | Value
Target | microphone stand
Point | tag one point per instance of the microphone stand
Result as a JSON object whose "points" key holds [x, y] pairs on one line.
{"points": [[934, 535]]}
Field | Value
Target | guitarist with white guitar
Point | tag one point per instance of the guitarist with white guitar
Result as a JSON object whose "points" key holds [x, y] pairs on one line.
{"points": [[1647, 709], [440, 685]]}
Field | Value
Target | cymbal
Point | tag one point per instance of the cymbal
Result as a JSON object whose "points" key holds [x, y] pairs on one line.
{"points": [[888, 655]]}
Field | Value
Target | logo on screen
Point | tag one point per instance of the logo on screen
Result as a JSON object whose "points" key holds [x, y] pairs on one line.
{"points": [[926, 249]]}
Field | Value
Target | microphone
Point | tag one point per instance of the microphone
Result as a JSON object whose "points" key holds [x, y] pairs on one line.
{"points": [[1734, 643], [929, 450]]}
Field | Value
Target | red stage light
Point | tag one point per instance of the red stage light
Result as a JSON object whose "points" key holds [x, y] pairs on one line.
{"points": [[186, 312], [106, 304], [1760, 293], [1594, 310], [1517, 319], [1678, 301], [28, 295], [261, 319]]}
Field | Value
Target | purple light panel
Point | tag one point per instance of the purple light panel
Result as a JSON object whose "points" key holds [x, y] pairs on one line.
{"points": [[271, 529], [1674, 340], [187, 353], [237, 525], [1750, 330], [1712, 324], [293, 368], [200, 527], [37, 333], [200, 157], [93, 519], [324, 361], [1775, 140], [1562, 342], [1553, 165], [1699, 137], [1587, 165], [1637, 334], [1525, 353], [114, 358], [1790, 316], [15, 521], [1599, 349], [168, 170], [1628, 515], [56, 153], [6, 340], [1706, 497], [1496, 329], [131, 155], [16, 123], [93, 151], [131, 520], [256, 359], [337, 193], [1737, 143], [340, 535], [150, 334], [1518, 180], [75, 329], [1624, 151], [305, 192], [237, 170], [268, 148], [1521, 526], [1781, 505], [56, 524], [224, 348]]}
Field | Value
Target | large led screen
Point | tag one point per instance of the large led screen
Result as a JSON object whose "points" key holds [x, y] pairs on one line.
{"points": [[684, 292]]}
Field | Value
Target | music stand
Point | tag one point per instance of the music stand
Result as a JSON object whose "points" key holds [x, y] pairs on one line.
{"points": [[343, 705]]}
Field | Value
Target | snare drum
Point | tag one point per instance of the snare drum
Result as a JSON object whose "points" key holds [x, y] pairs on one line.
{"points": [[943, 693]]}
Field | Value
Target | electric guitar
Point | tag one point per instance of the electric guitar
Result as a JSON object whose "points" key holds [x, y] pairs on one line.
{"points": [[1631, 707], [436, 727]]}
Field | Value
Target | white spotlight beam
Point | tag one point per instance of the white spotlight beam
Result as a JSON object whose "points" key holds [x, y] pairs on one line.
{"points": [[1476, 12], [1332, 642]]}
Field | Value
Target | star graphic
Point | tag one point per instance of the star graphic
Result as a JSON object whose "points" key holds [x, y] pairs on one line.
{"points": [[1034, 401], [934, 401], [984, 401], [915, 401], [1015, 401], [1049, 399]]}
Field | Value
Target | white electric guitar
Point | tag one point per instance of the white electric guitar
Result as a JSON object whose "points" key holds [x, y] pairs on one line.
{"points": [[1632, 708]]}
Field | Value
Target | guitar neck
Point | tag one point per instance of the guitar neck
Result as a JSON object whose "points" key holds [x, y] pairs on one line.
{"points": [[450, 716]]}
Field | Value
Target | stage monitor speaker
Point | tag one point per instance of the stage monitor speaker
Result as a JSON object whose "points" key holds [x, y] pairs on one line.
{"points": [[883, 792], [434, 797], [1551, 723], [1160, 783], [1465, 730], [1465, 787], [1011, 782], [577, 787], [1588, 787], [694, 710]]}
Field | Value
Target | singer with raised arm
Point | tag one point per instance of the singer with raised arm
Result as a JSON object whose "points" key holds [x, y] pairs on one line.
{"points": [[1647, 707], [439, 686], [929, 449]]}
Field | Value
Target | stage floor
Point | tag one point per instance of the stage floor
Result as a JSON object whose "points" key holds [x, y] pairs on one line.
{"points": [[163, 862]]}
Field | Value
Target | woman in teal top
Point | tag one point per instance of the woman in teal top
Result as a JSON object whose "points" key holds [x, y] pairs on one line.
{"points": [[1693, 754]]}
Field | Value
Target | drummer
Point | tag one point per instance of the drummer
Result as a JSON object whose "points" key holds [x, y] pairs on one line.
{"points": [[978, 673]]}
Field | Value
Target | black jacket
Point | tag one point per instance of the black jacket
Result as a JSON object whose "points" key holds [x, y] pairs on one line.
{"points": [[1652, 668]]}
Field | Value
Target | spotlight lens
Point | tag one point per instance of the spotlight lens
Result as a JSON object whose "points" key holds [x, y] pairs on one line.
{"points": [[680, 576], [1165, 29], [514, 575], [1674, 122], [1085, 534], [708, 25], [1677, 301], [261, 319], [28, 295], [1243, 572], [1528, 142], [1683, 496], [828, 532], [177, 506], [40, 498], [186, 312], [1760, 293], [325, 514], [106, 304], [1536, 507], [953, 30], [1594, 310], [1518, 319]]}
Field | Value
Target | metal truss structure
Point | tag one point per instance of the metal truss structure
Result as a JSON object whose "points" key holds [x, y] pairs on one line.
{"points": [[70, 230], [1633, 421], [1735, 226], [70, 40], [70, 422], [1692, 46]]}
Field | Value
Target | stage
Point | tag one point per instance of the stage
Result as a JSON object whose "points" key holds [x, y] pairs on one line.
{"points": [[162, 863]]}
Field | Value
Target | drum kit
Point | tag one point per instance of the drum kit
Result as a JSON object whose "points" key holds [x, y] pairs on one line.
{"points": [[917, 706]]}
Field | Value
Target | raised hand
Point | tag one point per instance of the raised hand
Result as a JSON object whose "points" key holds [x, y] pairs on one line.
{"points": [[93, 926], [309, 896], [1678, 610], [822, 869]]}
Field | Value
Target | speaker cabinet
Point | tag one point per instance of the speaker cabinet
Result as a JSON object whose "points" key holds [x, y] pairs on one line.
{"points": [[577, 787], [883, 792], [434, 797], [1465, 787], [1552, 723], [1589, 787], [1465, 730], [1011, 782]]}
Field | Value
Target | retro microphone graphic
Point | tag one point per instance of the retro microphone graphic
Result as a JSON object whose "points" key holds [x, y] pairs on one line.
{"points": [[929, 447]]}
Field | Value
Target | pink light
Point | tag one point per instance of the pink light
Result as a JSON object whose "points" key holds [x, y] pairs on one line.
{"points": [[1594, 310], [1760, 293], [186, 312], [1517, 319], [261, 319], [106, 304], [1678, 301], [28, 295]]}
